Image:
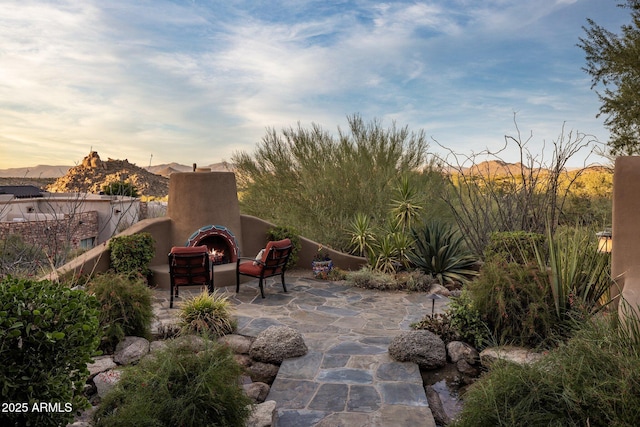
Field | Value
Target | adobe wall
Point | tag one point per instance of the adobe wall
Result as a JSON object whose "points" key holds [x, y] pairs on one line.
{"points": [[625, 253], [197, 199]]}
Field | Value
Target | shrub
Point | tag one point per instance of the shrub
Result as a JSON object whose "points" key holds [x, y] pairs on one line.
{"points": [[439, 324], [181, 386], [280, 233], [513, 246], [440, 252], [592, 380], [132, 254], [120, 188], [514, 301], [126, 307], [466, 321], [371, 279], [207, 314], [48, 333]]}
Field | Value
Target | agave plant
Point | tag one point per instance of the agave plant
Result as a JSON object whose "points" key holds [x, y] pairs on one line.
{"points": [[440, 251]]}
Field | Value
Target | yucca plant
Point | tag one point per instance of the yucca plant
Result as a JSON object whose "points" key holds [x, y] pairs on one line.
{"points": [[386, 255], [405, 208], [440, 251], [207, 313], [579, 276], [362, 236]]}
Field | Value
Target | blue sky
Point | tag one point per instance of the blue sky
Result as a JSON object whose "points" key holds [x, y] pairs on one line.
{"points": [[160, 81]]}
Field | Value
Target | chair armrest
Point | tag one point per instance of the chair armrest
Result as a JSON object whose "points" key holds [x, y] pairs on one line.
{"points": [[244, 258]]}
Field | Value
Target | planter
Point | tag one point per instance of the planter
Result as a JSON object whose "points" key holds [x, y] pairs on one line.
{"points": [[321, 268]]}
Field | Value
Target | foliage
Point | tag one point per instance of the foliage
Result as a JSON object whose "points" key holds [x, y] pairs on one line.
{"points": [[579, 276], [326, 179], [406, 207], [514, 301], [369, 278], [440, 252], [131, 254], [362, 235], [513, 246], [333, 275], [465, 319], [18, 258], [496, 196], [280, 233], [125, 307], [592, 380], [48, 333], [180, 386], [613, 61], [439, 324], [207, 314], [120, 188]]}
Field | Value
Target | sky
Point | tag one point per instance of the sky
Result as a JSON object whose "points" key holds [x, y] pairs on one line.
{"points": [[193, 81]]}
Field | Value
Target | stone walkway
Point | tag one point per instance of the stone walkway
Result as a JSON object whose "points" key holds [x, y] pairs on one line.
{"points": [[347, 378]]}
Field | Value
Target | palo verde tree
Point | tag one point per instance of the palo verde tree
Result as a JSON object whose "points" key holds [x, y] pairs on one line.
{"points": [[316, 181], [613, 61]]}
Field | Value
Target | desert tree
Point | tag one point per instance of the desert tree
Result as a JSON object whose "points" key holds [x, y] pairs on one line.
{"points": [[486, 194], [613, 62]]}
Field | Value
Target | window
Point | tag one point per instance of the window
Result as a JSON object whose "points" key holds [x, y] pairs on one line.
{"points": [[87, 243]]}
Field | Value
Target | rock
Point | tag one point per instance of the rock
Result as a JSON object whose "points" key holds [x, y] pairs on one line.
{"points": [[422, 347], [437, 288], [458, 350], [437, 409], [243, 360], [238, 343], [155, 346], [262, 414], [277, 343], [130, 350], [467, 369], [518, 355], [100, 364], [257, 391], [105, 381], [193, 342], [263, 372]]}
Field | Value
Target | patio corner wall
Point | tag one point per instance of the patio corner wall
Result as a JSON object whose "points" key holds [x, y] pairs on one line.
{"points": [[625, 253]]}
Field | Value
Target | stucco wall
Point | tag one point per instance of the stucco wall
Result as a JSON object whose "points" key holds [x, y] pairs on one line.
{"points": [[625, 253]]}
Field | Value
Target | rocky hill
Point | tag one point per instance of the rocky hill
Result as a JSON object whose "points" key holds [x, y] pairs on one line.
{"points": [[93, 174]]}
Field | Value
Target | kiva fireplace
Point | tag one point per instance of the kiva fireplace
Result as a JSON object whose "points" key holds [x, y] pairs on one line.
{"points": [[221, 242]]}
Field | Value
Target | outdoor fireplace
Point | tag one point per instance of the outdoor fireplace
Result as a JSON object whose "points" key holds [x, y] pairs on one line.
{"points": [[221, 242]]}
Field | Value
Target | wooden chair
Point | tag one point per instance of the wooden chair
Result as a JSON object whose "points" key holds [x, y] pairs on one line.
{"points": [[189, 266], [273, 262]]}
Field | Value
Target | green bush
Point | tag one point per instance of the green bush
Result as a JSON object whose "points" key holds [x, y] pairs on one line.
{"points": [[180, 386], [440, 251], [593, 380], [515, 303], [120, 188], [513, 246], [372, 279], [125, 307], [48, 334], [281, 233], [208, 314], [131, 254], [465, 319]]}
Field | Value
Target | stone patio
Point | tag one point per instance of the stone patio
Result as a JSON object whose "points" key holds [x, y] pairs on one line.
{"points": [[347, 378]]}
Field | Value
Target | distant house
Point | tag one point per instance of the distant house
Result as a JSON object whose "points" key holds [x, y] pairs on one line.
{"points": [[72, 220]]}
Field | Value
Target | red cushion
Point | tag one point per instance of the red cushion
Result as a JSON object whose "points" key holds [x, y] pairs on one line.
{"points": [[250, 269], [189, 249], [276, 244]]}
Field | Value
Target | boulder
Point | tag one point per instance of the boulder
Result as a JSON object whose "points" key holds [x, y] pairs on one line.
{"points": [[467, 369], [263, 372], [437, 408], [130, 350], [277, 343], [243, 360], [422, 347], [100, 364], [105, 381], [458, 350], [518, 355], [238, 343], [193, 342], [257, 391], [262, 414]]}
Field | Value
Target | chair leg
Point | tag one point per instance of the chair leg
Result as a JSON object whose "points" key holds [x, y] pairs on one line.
{"points": [[283, 285], [237, 281], [261, 287], [171, 297]]}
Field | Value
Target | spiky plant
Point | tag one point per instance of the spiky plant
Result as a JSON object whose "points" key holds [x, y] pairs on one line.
{"points": [[362, 235], [440, 251], [207, 314]]}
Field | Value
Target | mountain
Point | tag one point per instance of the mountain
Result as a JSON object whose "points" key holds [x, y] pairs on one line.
{"points": [[94, 173], [40, 171]]}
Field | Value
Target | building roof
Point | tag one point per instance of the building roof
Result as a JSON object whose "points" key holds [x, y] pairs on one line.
{"points": [[21, 191]]}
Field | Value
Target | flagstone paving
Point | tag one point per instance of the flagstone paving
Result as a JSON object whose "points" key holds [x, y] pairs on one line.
{"points": [[347, 378]]}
